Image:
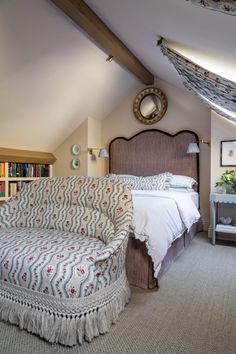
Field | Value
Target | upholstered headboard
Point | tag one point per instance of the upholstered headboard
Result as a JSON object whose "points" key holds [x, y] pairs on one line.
{"points": [[154, 151]]}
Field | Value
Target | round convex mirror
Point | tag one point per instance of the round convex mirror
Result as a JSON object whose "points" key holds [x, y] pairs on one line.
{"points": [[150, 105]]}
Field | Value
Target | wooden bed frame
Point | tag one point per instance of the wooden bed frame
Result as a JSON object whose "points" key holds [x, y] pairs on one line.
{"points": [[147, 153]]}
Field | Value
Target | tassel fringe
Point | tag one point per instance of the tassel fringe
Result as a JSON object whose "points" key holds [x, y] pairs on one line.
{"points": [[65, 329]]}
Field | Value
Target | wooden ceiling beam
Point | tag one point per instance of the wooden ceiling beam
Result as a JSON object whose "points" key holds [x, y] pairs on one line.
{"points": [[86, 18]]}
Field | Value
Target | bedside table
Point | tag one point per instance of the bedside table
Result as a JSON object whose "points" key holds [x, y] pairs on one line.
{"points": [[215, 199]]}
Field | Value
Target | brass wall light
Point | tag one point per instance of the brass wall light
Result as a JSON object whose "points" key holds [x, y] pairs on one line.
{"points": [[103, 153], [193, 148]]}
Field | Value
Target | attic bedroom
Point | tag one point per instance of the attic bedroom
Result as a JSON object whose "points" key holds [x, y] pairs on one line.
{"points": [[117, 176]]}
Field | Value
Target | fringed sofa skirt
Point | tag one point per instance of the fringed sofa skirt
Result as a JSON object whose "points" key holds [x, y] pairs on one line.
{"points": [[65, 321]]}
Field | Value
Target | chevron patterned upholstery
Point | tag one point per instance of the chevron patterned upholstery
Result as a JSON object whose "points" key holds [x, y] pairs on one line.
{"points": [[62, 243]]}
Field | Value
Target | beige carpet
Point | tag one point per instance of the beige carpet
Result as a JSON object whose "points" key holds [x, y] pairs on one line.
{"points": [[193, 312]]}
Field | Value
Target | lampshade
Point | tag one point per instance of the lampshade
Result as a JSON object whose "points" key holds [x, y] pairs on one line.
{"points": [[103, 153], [193, 148]]}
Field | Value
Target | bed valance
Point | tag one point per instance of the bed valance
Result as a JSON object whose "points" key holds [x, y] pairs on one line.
{"points": [[228, 6], [216, 91]]}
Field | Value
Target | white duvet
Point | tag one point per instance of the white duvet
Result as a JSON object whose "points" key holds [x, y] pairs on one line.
{"points": [[160, 217]]}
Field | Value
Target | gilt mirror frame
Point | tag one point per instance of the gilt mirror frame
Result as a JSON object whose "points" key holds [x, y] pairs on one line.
{"points": [[159, 108]]}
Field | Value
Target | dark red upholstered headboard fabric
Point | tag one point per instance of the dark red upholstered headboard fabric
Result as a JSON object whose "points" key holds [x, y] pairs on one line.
{"points": [[154, 151]]}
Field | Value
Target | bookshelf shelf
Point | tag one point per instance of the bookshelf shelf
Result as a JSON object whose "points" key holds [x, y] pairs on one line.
{"points": [[17, 169], [15, 179]]}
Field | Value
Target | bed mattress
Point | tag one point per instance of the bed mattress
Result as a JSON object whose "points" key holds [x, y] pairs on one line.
{"points": [[160, 217], [192, 194]]}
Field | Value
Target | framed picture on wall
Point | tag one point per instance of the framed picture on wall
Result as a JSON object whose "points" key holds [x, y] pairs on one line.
{"points": [[228, 153]]}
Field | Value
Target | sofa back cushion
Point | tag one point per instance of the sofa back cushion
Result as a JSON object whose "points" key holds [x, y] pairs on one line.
{"points": [[89, 206], [81, 220]]}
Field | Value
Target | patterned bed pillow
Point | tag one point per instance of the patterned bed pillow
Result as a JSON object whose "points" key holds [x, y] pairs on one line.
{"points": [[156, 182], [132, 181]]}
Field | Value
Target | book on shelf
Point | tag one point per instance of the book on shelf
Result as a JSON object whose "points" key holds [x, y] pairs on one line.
{"points": [[14, 175], [27, 170], [2, 189], [2, 169]]}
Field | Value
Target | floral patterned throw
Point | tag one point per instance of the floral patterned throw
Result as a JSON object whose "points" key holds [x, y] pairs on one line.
{"points": [[216, 91], [228, 6]]}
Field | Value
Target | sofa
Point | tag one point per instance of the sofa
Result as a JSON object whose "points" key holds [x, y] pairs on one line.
{"points": [[62, 257]]}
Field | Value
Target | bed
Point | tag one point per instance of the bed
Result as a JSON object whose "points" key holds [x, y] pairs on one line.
{"points": [[147, 153]]}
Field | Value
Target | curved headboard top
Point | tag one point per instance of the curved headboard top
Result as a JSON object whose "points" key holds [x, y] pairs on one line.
{"points": [[153, 151]]}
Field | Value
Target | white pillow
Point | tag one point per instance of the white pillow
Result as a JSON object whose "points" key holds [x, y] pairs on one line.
{"points": [[180, 189], [114, 175], [179, 181]]}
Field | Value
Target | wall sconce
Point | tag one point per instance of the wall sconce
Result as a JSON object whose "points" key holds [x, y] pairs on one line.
{"points": [[103, 153], [193, 148]]}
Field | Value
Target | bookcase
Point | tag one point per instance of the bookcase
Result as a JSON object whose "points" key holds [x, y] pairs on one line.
{"points": [[18, 167]]}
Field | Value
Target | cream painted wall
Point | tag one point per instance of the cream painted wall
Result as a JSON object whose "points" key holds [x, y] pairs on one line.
{"points": [[64, 155], [88, 134], [184, 112], [221, 129]]}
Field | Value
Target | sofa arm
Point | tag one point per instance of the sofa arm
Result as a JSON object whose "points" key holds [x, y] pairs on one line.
{"points": [[113, 246]]}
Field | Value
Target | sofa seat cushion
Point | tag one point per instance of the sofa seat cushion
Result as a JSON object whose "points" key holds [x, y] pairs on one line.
{"points": [[58, 263]]}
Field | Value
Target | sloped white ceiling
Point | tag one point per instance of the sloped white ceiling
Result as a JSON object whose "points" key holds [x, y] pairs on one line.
{"points": [[51, 76], [206, 36]]}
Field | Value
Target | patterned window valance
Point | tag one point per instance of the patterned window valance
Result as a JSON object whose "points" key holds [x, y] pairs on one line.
{"points": [[214, 90], [228, 6]]}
